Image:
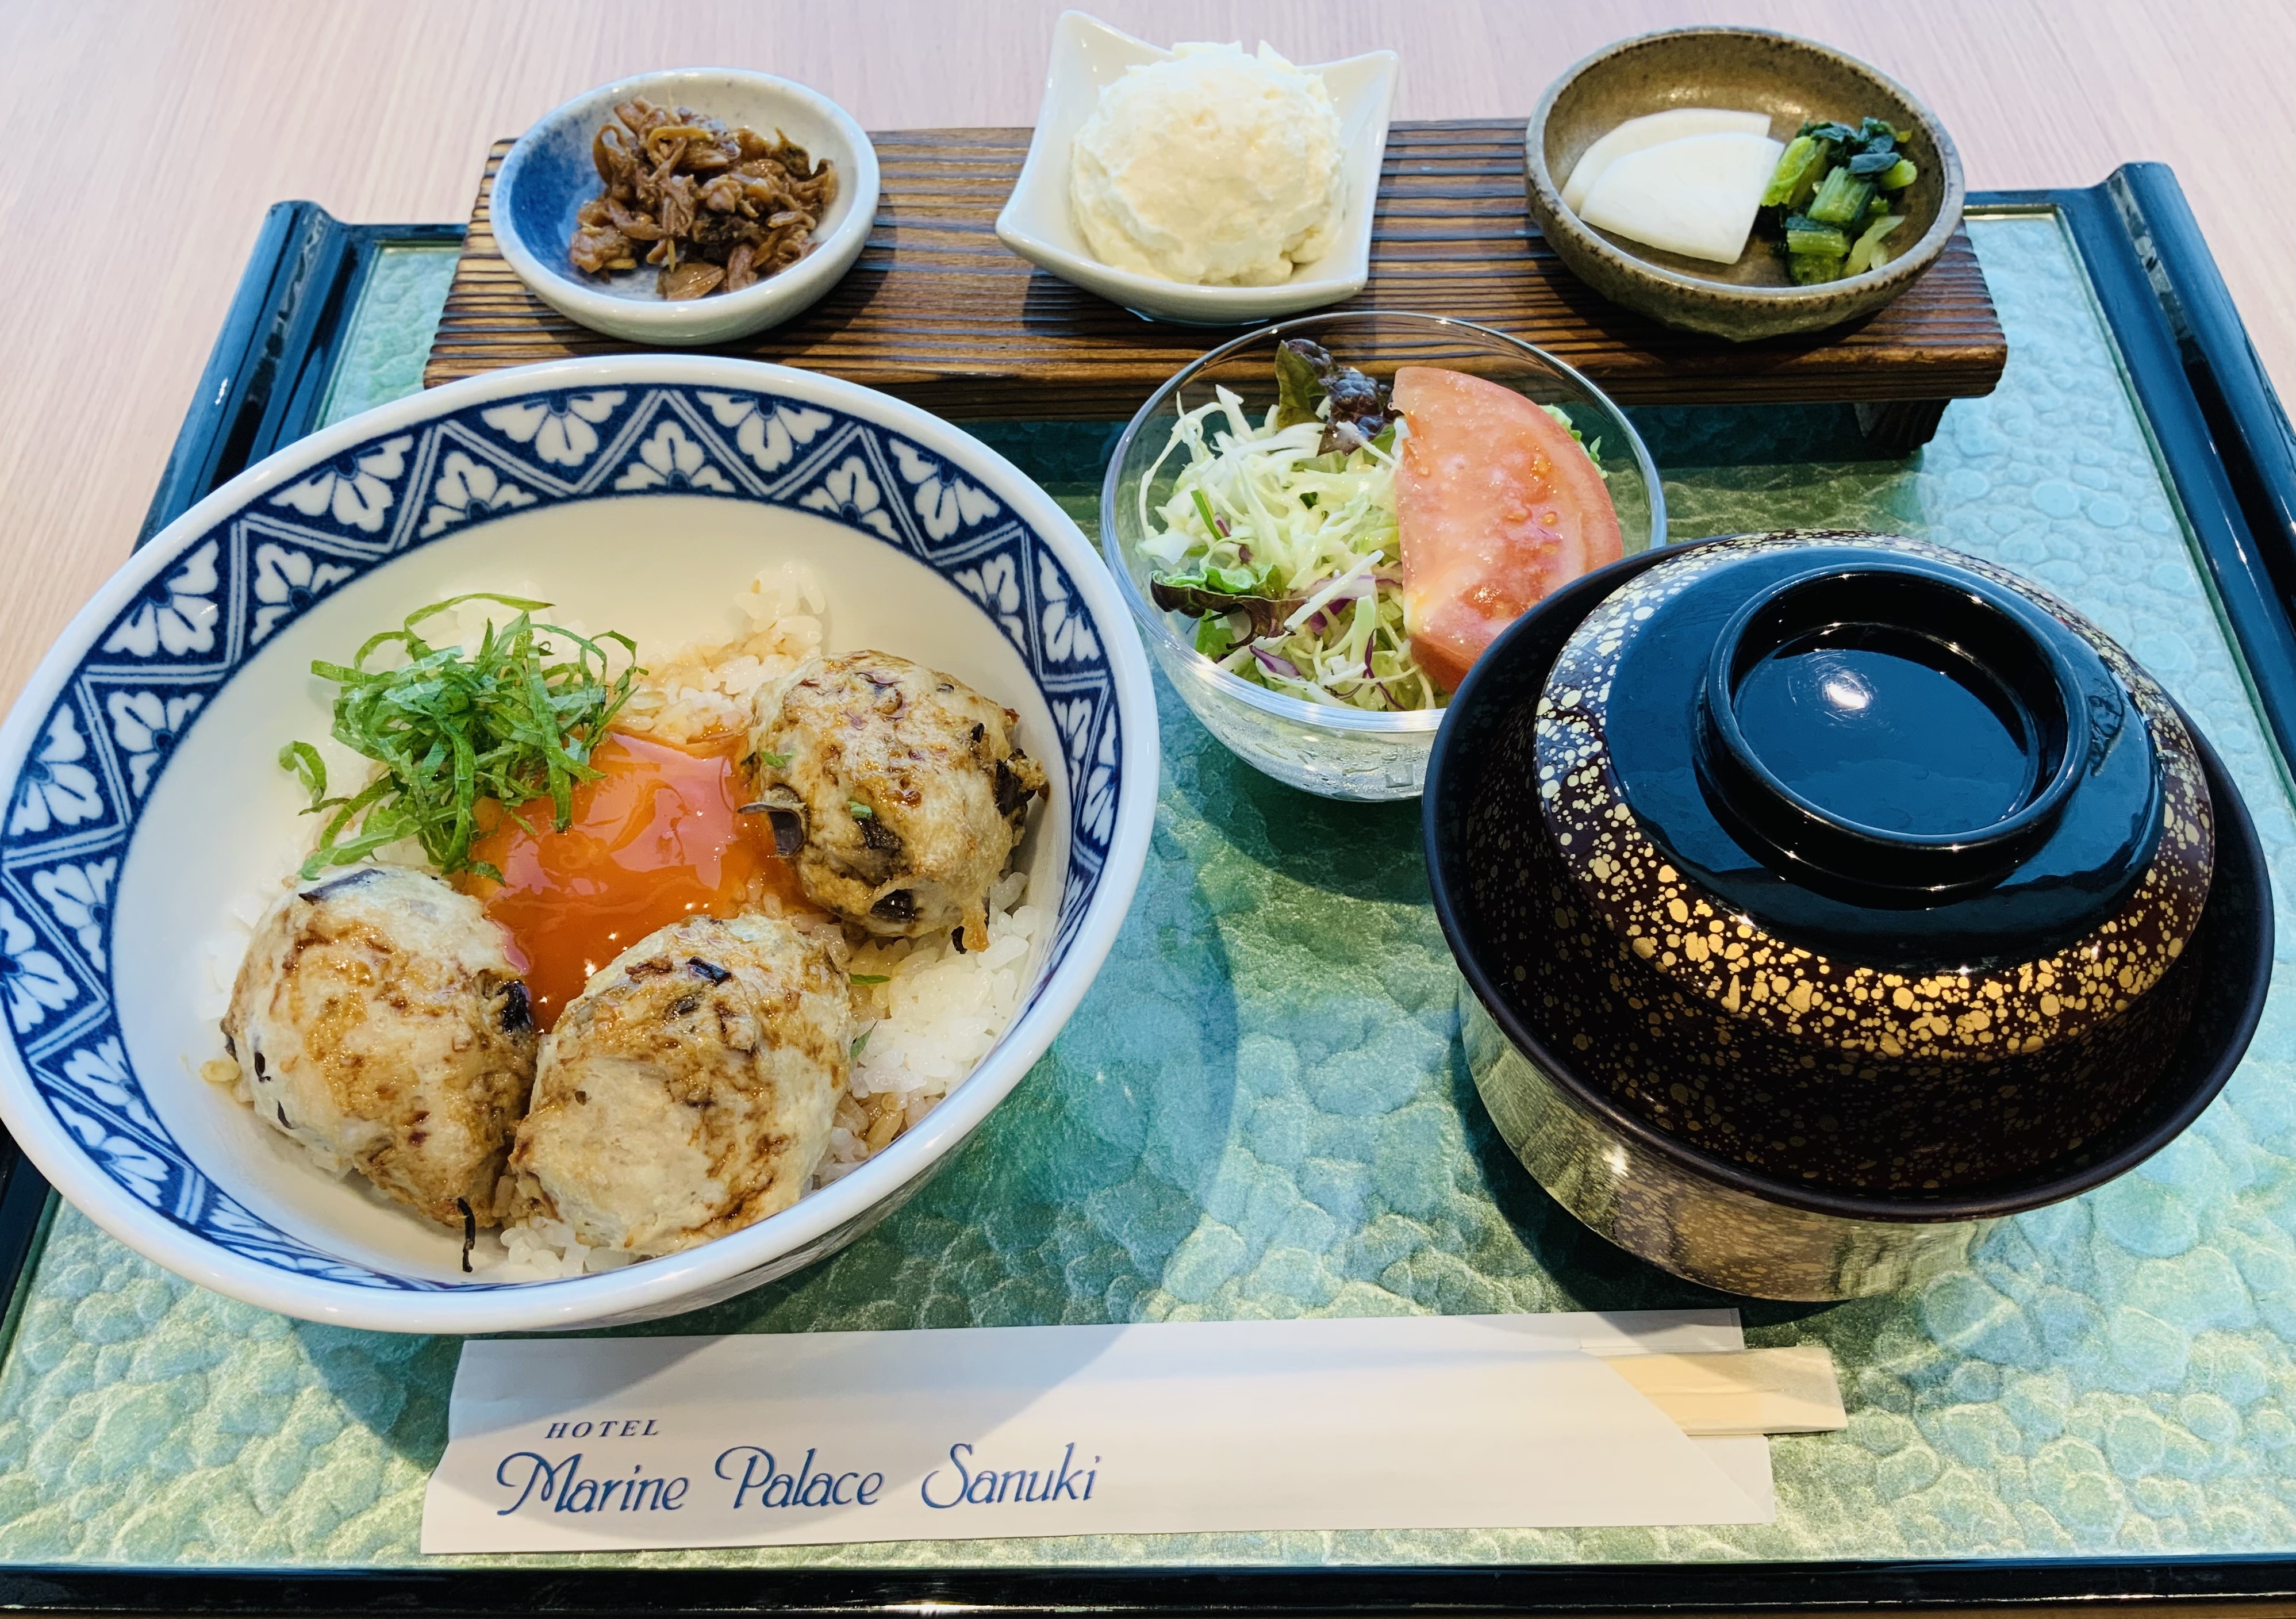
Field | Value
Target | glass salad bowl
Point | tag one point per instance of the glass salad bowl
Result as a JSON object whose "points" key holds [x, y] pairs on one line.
{"points": [[1320, 742]]}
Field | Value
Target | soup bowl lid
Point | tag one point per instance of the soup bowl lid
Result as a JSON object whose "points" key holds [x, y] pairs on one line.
{"points": [[1867, 775]]}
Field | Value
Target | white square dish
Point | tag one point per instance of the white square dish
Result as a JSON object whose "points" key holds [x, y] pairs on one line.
{"points": [[1036, 222]]}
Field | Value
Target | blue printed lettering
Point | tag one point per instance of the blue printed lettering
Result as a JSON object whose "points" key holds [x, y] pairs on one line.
{"points": [[798, 1490], [608, 1427], [1065, 1484], [925, 1489], [560, 1485], [750, 1479], [540, 1472], [991, 1487], [760, 1475]]}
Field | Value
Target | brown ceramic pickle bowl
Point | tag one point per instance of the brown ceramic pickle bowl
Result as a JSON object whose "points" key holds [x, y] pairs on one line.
{"points": [[1747, 70], [1697, 1213]]}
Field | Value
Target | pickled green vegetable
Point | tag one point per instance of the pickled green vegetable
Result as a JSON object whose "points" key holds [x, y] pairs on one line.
{"points": [[1807, 238], [1832, 197], [1842, 197], [1801, 166], [1866, 252]]}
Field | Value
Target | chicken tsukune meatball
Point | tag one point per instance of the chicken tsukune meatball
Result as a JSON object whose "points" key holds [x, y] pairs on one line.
{"points": [[379, 1020], [688, 1091], [895, 791]]}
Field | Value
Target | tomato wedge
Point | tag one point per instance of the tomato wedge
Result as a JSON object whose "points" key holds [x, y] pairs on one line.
{"points": [[1497, 506]]}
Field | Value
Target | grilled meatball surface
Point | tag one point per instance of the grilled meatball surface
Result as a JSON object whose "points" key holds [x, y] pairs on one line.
{"points": [[688, 1091], [895, 791], [379, 1020]]}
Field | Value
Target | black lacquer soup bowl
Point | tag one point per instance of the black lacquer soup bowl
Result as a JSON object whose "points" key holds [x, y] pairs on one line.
{"points": [[1823, 895]]}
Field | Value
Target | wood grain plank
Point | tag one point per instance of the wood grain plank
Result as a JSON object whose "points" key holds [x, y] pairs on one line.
{"points": [[937, 311]]}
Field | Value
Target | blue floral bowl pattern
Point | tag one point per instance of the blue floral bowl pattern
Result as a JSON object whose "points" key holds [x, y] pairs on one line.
{"points": [[128, 684]]}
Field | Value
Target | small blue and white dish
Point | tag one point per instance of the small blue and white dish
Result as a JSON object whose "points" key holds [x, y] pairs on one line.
{"points": [[144, 799], [548, 175]]}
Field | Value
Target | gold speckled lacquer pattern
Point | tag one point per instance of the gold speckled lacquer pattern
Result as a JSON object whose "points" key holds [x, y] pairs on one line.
{"points": [[1690, 1223], [1837, 1073]]}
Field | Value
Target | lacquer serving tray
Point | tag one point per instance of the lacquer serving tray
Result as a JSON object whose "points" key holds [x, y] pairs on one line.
{"points": [[1261, 1109]]}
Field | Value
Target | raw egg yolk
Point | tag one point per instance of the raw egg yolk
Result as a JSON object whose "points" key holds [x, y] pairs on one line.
{"points": [[654, 837]]}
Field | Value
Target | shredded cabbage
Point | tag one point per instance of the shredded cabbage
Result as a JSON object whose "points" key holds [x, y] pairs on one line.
{"points": [[1256, 512]]}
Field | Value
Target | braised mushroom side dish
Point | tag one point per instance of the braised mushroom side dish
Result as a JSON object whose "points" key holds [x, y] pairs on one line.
{"points": [[717, 208]]}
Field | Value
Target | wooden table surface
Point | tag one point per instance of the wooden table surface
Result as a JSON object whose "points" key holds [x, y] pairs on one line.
{"points": [[155, 132]]}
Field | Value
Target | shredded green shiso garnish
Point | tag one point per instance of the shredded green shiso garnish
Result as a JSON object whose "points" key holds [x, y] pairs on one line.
{"points": [[512, 721]]}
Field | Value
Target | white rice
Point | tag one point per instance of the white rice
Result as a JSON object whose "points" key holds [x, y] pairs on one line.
{"points": [[705, 691], [928, 1025]]}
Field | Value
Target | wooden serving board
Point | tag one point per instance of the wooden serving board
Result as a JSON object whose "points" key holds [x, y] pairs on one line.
{"points": [[937, 311]]}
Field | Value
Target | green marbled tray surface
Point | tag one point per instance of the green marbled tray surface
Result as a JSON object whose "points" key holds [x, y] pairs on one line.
{"points": [[1261, 1110], [389, 336]]}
